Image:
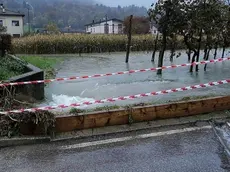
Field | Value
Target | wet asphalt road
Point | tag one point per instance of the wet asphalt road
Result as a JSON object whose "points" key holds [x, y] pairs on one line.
{"points": [[196, 151]]}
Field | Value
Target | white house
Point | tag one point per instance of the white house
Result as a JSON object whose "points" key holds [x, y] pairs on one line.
{"points": [[13, 21], [111, 26]]}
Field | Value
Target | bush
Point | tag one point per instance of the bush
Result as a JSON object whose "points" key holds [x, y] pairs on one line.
{"points": [[29, 123], [62, 44], [10, 67], [5, 43]]}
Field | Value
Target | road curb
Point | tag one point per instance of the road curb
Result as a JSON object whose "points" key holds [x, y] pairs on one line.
{"points": [[111, 130], [18, 141], [127, 116]]}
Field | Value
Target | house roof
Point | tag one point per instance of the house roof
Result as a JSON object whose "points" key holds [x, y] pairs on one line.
{"points": [[10, 13], [102, 21]]}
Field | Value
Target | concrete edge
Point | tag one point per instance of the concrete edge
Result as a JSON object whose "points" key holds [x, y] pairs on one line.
{"points": [[31, 92], [19, 141], [141, 114], [33, 70], [144, 106], [96, 132], [106, 131]]}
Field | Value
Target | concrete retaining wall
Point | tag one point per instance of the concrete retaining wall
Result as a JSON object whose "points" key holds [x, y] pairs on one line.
{"points": [[140, 114], [34, 91]]}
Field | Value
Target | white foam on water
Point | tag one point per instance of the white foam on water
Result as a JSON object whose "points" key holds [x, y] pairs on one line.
{"points": [[83, 92], [67, 100], [160, 82], [136, 82]]}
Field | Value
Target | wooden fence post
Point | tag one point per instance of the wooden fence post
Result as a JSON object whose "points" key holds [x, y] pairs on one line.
{"points": [[129, 39]]}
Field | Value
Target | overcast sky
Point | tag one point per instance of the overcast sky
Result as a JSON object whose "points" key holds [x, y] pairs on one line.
{"points": [[146, 3]]}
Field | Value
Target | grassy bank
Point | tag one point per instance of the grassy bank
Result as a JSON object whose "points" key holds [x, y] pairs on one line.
{"points": [[45, 63], [60, 44], [10, 67]]}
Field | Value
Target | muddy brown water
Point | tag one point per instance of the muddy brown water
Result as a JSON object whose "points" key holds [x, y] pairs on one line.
{"points": [[81, 90]]}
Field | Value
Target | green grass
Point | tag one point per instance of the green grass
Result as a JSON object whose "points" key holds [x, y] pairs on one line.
{"points": [[45, 63], [10, 67]]}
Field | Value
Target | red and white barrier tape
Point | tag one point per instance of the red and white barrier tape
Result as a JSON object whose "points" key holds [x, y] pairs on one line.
{"points": [[112, 74], [109, 100]]}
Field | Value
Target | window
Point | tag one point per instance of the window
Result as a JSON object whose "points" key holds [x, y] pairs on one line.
{"points": [[16, 35], [155, 31], [1, 22], [15, 23]]}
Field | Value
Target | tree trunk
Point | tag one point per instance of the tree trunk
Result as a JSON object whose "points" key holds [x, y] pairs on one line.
{"points": [[193, 60], [172, 51], [208, 53], [223, 51], [155, 48], [215, 53], [198, 50], [205, 52], [161, 55], [129, 39], [206, 58], [189, 54]]}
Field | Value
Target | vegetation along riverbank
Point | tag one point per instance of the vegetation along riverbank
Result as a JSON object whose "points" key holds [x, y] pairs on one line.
{"points": [[47, 64], [10, 67]]}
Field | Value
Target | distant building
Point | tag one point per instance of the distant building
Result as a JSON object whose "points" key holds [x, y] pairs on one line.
{"points": [[111, 26], [68, 30], [13, 21], [154, 28]]}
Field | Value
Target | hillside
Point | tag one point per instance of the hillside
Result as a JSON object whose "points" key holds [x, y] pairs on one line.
{"points": [[74, 13]]}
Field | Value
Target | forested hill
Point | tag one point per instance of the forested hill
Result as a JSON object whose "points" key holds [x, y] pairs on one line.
{"points": [[74, 13]]}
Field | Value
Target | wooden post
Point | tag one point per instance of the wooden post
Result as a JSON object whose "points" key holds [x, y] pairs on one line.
{"points": [[155, 47], [129, 39]]}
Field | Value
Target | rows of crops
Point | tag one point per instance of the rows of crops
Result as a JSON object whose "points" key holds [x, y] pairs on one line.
{"points": [[60, 44]]}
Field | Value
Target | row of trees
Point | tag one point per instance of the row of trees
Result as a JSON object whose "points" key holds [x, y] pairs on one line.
{"points": [[74, 13], [140, 25], [200, 23]]}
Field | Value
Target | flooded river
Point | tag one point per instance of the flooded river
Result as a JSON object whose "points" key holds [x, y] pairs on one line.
{"points": [[129, 84]]}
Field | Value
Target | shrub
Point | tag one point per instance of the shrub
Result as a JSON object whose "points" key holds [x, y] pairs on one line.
{"points": [[74, 43], [5, 43], [14, 124], [29, 123], [10, 67]]}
